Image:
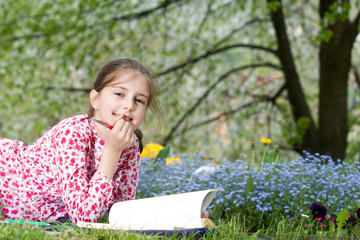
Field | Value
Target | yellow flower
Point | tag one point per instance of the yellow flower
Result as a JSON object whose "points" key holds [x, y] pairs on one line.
{"points": [[151, 150], [266, 140], [172, 160]]}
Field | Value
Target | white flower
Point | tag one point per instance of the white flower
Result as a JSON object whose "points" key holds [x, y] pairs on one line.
{"points": [[207, 170]]}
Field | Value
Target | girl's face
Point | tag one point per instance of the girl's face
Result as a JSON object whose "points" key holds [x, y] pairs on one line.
{"points": [[127, 95]]}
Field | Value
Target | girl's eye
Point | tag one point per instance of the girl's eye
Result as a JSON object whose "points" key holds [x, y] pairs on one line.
{"points": [[140, 101], [119, 94]]}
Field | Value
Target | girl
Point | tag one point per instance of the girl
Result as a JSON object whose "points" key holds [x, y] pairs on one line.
{"points": [[79, 168]]}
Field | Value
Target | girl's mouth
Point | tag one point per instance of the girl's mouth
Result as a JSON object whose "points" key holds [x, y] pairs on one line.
{"points": [[126, 118]]}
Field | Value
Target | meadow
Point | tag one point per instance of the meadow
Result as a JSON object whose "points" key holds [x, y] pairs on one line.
{"points": [[311, 197]]}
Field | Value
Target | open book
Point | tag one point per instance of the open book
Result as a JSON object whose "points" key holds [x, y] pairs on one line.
{"points": [[171, 212]]}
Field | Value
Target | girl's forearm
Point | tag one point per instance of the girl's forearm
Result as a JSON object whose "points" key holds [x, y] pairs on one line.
{"points": [[108, 162]]}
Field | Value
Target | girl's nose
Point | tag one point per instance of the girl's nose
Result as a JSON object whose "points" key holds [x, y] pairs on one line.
{"points": [[129, 105]]}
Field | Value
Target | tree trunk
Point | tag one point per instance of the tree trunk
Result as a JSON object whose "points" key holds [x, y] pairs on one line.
{"points": [[335, 63], [299, 106]]}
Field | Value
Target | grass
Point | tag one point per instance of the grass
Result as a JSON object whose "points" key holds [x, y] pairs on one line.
{"points": [[233, 228]]}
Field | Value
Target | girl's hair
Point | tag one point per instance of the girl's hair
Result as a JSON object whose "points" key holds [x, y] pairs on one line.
{"points": [[108, 74]]}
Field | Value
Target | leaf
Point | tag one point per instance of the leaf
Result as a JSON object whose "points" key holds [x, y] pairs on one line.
{"points": [[163, 154], [341, 218], [273, 6], [249, 186]]}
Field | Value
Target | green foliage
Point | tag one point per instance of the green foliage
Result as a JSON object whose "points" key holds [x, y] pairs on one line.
{"points": [[337, 12], [249, 186], [293, 132], [273, 5], [22, 232], [324, 35], [162, 155], [233, 228], [48, 47], [301, 127], [341, 218]]}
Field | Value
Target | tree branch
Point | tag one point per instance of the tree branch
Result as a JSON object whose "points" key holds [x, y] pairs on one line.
{"points": [[257, 99], [145, 13], [127, 17], [192, 48], [355, 25], [29, 36], [357, 19], [216, 45], [357, 76], [44, 15], [227, 113], [211, 52], [199, 29], [207, 92], [242, 27], [296, 94], [68, 89]]}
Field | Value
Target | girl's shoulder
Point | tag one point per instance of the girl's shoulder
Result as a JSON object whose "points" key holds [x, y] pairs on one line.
{"points": [[80, 124], [78, 120]]}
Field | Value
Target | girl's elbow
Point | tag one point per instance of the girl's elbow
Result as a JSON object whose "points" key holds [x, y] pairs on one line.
{"points": [[91, 215]]}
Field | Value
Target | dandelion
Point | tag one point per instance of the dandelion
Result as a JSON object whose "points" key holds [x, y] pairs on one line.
{"points": [[266, 140], [151, 150], [172, 160]]}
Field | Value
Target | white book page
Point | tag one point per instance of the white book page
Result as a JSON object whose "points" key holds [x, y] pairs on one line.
{"points": [[178, 211]]}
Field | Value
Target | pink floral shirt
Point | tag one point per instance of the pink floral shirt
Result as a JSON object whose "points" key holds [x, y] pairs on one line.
{"points": [[56, 177]]}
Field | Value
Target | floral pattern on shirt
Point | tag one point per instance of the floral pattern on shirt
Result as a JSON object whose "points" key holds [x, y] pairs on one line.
{"points": [[57, 177]]}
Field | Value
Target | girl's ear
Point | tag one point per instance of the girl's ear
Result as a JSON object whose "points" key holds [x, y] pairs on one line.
{"points": [[94, 99]]}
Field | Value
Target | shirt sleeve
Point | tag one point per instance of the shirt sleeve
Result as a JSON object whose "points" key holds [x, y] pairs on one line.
{"points": [[127, 173], [86, 198]]}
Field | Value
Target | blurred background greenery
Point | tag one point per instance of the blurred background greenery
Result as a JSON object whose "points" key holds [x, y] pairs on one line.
{"points": [[220, 77]]}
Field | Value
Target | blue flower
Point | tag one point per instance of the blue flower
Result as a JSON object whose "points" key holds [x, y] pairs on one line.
{"points": [[299, 182]]}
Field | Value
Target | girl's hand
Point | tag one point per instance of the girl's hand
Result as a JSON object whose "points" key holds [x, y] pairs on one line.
{"points": [[116, 140], [205, 215], [121, 136]]}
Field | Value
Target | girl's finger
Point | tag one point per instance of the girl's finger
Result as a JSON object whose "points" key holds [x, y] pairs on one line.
{"points": [[127, 134], [119, 125], [125, 128], [130, 132], [115, 120], [205, 215]]}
